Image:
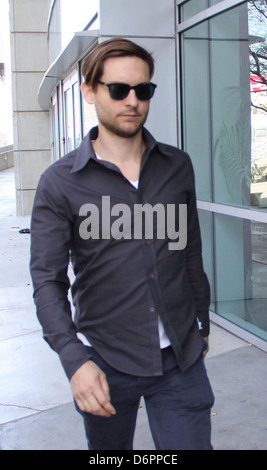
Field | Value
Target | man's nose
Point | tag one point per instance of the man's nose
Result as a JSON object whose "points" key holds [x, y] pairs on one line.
{"points": [[131, 98]]}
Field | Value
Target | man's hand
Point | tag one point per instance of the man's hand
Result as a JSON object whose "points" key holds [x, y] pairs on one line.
{"points": [[207, 348], [91, 391]]}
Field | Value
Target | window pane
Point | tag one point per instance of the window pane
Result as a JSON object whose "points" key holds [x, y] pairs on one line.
{"points": [[196, 106], [77, 120], [241, 272], [54, 33], [55, 129], [231, 106], [224, 65], [69, 142], [192, 7], [89, 117], [257, 14]]}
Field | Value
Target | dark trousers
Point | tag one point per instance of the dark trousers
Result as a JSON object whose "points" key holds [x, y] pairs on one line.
{"points": [[178, 406]]}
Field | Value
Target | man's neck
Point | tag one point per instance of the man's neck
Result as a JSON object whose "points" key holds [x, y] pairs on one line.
{"points": [[124, 152]]}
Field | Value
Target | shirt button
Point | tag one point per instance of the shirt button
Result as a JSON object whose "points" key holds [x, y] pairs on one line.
{"points": [[152, 309], [152, 276]]}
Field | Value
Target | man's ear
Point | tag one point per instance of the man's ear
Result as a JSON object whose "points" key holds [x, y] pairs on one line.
{"points": [[87, 93]]}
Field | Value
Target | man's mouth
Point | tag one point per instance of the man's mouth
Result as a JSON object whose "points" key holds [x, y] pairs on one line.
{"points": [[129, 115]]}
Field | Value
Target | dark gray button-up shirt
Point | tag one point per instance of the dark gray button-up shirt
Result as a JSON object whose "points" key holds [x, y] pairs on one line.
{"points": [[124, 278]]}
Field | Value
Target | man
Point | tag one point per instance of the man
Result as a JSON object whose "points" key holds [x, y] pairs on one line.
{"points": [[141, 321]]}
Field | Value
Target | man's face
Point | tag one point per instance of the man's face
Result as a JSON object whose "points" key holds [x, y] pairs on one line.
{"points": [[124, 118]]}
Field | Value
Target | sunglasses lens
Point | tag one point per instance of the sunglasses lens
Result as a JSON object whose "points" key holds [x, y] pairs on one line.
{"points": [[145, 91], [118, 91]]}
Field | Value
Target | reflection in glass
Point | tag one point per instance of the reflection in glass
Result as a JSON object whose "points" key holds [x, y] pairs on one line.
{"points": [[224, 89], [257, 14], [241, 273], [231, 106]]}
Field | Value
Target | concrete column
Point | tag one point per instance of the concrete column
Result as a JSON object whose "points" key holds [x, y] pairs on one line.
{"points": [[29, 61]]}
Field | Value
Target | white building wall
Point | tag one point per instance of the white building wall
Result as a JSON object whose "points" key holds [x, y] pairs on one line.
{"points": [[6, 132], [29, 60]]}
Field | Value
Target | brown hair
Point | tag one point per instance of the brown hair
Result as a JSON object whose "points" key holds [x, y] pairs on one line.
{"points": [[92, 67]]}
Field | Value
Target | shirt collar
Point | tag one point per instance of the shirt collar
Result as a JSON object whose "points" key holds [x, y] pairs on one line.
{"points": [[85, 151]]}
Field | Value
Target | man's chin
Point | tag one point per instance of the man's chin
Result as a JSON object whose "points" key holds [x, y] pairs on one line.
{"points": [[124, 131]]}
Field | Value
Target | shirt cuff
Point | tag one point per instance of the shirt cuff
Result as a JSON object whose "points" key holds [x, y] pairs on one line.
{"points": [[73, 356]]}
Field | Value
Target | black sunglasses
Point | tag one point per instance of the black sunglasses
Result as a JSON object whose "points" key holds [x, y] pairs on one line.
{"points": [[119, 91]]}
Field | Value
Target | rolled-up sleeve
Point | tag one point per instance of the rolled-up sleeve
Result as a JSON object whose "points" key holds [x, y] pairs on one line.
{"points": [[50, 248]]}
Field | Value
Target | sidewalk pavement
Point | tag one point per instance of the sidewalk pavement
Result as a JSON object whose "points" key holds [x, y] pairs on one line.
{"points": [[36, 409]]}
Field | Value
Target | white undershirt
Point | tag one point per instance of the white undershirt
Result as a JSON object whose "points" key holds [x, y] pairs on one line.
{"points": [[163, 338]]}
